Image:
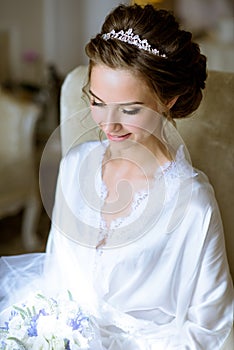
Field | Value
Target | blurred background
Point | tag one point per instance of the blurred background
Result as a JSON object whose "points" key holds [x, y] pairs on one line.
{"points": [[41, 41]]}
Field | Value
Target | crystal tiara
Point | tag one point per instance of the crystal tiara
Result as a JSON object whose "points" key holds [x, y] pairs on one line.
{"points": [[132, 39]]}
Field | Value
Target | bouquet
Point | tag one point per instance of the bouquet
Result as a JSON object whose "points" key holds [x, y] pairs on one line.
{"points": [[44, 323]]}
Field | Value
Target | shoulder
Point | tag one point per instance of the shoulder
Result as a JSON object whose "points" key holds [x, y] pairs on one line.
{"points": [[188, 186], [70, 163], [202, 190], [203, 206], [192, 193], [192, 183], [81, 160], [195, 217]]}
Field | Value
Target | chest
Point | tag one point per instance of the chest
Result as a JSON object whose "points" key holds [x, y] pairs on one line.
{"points": [[123, 181]]}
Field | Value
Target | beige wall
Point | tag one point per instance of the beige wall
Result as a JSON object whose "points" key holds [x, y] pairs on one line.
{"points": [[68, 26], [165, 4], [23, 21], [5, 55], [56, 29]]}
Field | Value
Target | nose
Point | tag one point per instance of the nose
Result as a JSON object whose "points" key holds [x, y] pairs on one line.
{"points": [[109, 127], [111, 122]]}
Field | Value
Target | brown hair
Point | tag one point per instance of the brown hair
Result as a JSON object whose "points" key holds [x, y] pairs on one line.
{"points": [[182, 73]]}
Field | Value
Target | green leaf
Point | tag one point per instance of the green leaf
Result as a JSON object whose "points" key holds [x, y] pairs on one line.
{"points": [[22, 312], [34, 311], [18, 342], [70, 295], [40, 296], [29, 312]]}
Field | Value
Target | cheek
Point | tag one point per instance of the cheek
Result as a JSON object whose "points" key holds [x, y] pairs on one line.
{"points": [[106, 114], [148, 124], [96, 116], [148, 121]]}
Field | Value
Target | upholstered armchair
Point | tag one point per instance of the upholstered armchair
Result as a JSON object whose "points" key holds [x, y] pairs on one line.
{"points": [[18, 175]]}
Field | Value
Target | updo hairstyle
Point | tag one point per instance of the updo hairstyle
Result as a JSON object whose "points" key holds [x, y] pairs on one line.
{"points": [[182, 74]]}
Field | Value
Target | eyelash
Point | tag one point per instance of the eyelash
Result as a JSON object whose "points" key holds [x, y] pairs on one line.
{"points": [[125, 111], [131, 112], [97, 104]]}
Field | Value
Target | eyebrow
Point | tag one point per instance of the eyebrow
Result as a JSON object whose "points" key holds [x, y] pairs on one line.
{"points": [[121, 104]]}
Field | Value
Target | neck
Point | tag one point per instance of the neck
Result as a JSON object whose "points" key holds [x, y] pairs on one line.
{"points": [[148, 156]]}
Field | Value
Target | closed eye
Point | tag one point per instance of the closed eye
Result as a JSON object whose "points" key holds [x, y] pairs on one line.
{"points": [[131, 111], [97, 104]]}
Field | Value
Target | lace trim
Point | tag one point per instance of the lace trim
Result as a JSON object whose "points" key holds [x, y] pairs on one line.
{"points": [[167, 172], [171, 172]]}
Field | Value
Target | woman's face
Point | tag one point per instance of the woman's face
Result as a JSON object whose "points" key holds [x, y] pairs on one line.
{"points": [[122, 105]]}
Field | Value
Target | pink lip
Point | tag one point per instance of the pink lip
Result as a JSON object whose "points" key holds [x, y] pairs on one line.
{"points": [[117, 138]]}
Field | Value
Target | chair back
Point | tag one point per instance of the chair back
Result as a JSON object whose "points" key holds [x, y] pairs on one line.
{"points": [[208, 134]]}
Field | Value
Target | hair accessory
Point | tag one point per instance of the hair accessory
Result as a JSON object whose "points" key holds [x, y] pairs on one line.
{"points": [[132, 39]]}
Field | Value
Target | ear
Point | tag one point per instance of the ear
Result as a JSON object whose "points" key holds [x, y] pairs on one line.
{"points": [[171, 103]]}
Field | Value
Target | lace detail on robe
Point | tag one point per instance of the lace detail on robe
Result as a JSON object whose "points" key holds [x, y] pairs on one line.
{"points": [[170, 172]]}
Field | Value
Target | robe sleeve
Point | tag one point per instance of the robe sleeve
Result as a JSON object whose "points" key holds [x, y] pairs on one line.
{"points": [[209, 319]]}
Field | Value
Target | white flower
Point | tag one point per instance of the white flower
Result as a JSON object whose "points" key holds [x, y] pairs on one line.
{"points": [[44, 323], [11, 345], [81, 340], [49, 326], [17, 327], [38, 343]]}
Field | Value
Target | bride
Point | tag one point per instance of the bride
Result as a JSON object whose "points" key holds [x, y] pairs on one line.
{"points": [[136, 233]]}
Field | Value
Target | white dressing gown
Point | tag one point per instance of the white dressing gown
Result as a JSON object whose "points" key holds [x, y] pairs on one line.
{"points": [[164, 282], [161, 281]]}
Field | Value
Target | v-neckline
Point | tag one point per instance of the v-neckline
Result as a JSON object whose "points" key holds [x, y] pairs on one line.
{"points": [[138, 197]]}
